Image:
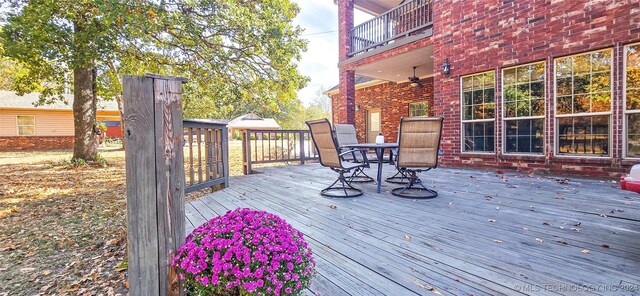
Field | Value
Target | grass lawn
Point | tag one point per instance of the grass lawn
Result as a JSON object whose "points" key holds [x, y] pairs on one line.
{"points": [[63, 228]]}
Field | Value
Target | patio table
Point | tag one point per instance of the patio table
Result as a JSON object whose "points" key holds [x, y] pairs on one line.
{"points": [[379, 148]]}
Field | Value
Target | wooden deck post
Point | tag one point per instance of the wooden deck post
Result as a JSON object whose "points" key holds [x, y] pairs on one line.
{"points": [[302, 154], [155, 182]]}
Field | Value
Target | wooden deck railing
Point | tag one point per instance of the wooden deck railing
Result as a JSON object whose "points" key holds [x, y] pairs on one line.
{"points": [[400, 21], [272, 146], [206, 154]]}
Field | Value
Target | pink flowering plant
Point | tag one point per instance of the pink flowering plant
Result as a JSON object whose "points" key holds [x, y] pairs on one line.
{"points": [[245, 252]]}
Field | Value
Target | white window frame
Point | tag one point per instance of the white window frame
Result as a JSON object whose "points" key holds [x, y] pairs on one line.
{"points": [[18, 125], [421, 102], [556, 136], [625, 112], [504, 118], [462, 121]]}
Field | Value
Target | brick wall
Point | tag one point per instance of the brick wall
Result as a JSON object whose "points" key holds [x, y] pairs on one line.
{"points": [[19, 143], [479, 36], [393, 100]]}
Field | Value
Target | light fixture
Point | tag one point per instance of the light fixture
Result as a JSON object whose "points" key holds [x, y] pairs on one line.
{"points": [[415, 81], [358, 107], [446, 66]]}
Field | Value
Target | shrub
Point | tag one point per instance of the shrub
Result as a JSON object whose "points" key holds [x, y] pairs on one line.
{"points": [[246, 251]]}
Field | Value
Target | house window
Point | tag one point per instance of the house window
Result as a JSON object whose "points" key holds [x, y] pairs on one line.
{"points": [[478, 112], [418, 109], [583, 103], [523, 103], [632, 99], [26, 125]]}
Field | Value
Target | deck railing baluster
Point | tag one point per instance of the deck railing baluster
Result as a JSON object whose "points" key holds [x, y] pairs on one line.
{"points": [[400, 21], [211, 158]]}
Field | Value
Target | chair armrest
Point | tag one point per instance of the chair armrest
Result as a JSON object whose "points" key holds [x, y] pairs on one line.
{"points": [[365, 160]]}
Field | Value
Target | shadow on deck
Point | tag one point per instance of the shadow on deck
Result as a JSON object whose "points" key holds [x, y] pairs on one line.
{"points": [[485, 234]]}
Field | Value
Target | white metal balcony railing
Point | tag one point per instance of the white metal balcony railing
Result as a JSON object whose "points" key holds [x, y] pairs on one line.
{"points": [[400, 21]]}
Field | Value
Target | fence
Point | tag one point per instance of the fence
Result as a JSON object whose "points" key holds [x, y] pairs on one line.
{"points": [[273, 146], [206, 154]]}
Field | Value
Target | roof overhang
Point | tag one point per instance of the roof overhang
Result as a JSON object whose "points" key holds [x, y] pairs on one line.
{"points": [[399, 67], [375, 7]]}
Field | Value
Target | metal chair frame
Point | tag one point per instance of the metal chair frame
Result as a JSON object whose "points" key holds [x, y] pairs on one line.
{"points": [[414, 184], [342, 183]]}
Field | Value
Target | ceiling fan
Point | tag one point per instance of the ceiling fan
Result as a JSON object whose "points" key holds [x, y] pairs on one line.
{"points": [[415, 81]]}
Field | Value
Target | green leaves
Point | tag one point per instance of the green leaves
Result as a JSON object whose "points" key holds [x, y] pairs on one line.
{"points": [[235, 53]]}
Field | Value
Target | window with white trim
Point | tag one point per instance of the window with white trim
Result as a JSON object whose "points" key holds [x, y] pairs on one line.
{"points": [[632, 99], [523, 98], [418, 109], [583, 103], [26, 125], [478, 112]]}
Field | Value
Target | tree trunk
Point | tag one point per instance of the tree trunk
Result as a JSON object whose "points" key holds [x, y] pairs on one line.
{"points": [[84, 114], [121, 111]]}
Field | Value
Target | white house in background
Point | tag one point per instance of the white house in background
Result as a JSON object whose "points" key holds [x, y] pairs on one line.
{"points": [[251, 121]]}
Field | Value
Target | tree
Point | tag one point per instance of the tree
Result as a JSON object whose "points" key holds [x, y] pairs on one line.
{"points": [[232, 51]]}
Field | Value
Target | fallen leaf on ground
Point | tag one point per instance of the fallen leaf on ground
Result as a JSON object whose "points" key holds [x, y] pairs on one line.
{"points": [[492, 220], [585, 251], [407, 237], [605, 246], [497, 241], [333, 207], [546, 223], [539, 240]]}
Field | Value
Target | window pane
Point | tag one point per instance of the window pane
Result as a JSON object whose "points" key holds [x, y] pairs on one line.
{"points": [[564, 67], [25, 120], [524, 91], [418, 109], [537, 107], [467, 83], [581, 103], [633, 77], [601, 102], [509, 76], [633, 135], [524, 136], [563, 86], [477, 97], [479, 136], [587, 79], [537, 72], [633, 99], [564, 105], [26, 130], [583, 135], [468, 113], [537, 90], [601, 61]]}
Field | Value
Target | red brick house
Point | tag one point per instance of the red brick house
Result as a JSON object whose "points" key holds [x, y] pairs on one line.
{"points": [[540, 85]]}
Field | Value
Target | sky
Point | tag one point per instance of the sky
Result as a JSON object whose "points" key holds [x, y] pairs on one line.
{"points": [[319, 18]]}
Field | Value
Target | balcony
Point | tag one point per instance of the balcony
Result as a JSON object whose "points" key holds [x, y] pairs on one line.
{"points": [[402, 21]]}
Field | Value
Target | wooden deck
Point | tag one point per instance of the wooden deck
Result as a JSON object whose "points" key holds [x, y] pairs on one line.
{"points": [[485, 234]]}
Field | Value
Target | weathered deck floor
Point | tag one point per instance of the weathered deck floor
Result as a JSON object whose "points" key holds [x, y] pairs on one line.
{"points": [[485, 234]]}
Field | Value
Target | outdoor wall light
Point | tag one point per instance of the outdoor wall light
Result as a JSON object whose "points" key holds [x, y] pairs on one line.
{"points": [[357, 107], [446, 66]]}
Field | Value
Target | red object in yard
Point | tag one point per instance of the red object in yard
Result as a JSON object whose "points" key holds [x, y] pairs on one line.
{"points": [[631, 182], [114, 132]]}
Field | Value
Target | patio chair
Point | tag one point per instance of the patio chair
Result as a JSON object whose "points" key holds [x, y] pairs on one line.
{"points": [[346, 135], [419, 143], [399, 177], [330, 156]]}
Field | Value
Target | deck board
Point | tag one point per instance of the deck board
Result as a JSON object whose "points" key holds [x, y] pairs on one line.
{"points": [[378, 244]]}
